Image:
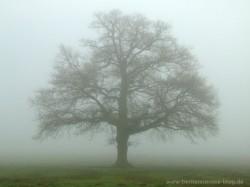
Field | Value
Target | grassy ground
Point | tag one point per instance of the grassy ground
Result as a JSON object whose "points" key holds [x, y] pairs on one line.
{"points": [[79, 176]]}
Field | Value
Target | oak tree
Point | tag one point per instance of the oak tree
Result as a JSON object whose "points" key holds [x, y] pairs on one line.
{"points": [[133, 78]]}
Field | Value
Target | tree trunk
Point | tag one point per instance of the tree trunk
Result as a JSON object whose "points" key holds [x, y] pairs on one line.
{"points": [[122, 149]]}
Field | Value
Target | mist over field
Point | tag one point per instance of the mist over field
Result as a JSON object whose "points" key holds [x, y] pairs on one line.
{"points": [[31, 32]]}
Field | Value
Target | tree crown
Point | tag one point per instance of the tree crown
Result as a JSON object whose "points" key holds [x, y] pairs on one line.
{"points": [[137, 78]]}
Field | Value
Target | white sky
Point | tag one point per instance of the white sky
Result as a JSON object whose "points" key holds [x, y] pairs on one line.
{"points": [[31, 30]]}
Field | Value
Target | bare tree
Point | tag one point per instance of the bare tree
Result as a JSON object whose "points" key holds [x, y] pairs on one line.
{"points": [[135, 78]]}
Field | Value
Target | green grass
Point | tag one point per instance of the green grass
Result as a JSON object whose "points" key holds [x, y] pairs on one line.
{"points": [[79, 176]]}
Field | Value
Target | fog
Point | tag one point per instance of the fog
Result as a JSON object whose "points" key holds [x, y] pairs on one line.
{"points": [[31, 31]]}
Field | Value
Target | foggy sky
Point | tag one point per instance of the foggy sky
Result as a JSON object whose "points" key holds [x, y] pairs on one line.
{"points": [[31, 31]]}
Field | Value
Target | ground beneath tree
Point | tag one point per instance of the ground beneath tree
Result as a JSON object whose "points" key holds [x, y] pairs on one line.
{"points": [[62, 176]]}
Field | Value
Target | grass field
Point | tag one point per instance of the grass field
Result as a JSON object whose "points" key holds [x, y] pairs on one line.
{"points": [[146, 174], [80, 176]]}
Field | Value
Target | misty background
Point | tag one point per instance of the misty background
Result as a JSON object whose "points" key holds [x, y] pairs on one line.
{"points": [[31, 31]]}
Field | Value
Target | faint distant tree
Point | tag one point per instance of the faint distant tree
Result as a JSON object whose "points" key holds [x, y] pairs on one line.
{"points": [[133, 78]]}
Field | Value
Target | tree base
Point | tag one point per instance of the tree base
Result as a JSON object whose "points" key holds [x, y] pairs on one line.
{"points": [[122, 165]]}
